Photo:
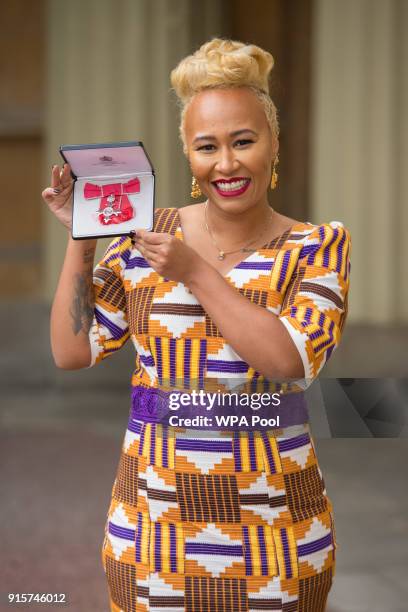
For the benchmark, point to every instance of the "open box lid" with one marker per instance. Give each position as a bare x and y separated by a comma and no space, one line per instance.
107,159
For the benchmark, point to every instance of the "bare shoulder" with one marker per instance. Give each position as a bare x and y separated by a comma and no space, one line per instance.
284,223
189,212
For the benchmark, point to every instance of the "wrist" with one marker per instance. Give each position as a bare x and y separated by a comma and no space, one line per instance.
82,245
198,271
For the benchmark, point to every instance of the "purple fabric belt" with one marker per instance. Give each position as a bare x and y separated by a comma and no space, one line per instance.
218,411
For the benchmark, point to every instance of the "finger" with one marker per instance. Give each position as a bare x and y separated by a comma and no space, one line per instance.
55,199
148,254
49,194
134,232
150,249
151,253
152,237
57,191
65,175
55,176
150,260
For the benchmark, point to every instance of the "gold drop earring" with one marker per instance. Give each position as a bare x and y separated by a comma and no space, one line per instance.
274,179
195,188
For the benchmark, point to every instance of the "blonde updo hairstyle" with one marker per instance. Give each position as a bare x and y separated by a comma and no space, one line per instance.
222,63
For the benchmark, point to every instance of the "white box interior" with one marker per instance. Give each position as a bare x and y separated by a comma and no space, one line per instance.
85,221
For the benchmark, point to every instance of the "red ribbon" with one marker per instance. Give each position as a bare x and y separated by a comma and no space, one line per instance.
114,206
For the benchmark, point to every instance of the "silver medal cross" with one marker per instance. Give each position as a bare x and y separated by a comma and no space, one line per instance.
108,211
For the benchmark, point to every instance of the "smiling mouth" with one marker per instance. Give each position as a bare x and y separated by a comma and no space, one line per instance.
232,186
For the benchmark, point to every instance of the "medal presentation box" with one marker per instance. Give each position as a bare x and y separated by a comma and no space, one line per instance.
114,186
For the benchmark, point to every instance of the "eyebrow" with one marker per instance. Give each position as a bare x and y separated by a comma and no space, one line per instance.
236,133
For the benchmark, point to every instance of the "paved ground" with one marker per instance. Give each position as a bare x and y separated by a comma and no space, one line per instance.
59,453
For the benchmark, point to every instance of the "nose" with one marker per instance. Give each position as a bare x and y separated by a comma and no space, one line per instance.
227,162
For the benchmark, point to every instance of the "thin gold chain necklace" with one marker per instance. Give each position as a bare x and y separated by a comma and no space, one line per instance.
244,249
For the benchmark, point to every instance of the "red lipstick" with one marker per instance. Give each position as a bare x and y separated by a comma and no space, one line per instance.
230,188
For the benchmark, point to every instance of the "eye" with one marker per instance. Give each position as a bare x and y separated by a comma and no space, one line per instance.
207,147
243,142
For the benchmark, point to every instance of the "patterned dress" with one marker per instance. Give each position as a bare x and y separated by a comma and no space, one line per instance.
217,521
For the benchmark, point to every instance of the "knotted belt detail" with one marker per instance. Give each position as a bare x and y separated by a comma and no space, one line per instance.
152,405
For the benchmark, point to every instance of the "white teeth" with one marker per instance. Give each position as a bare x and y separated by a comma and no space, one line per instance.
231,186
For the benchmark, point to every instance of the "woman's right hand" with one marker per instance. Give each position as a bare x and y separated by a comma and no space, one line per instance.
59,195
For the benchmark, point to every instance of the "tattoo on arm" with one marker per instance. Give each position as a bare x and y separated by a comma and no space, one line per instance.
82,307
88,256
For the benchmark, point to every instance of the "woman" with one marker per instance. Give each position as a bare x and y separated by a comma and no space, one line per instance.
223,290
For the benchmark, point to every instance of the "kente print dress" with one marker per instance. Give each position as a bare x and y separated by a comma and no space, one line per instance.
219,521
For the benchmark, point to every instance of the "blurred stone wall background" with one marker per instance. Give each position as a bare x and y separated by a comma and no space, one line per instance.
98,70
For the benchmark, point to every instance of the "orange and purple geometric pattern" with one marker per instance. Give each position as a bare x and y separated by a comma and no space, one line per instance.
215,530
219,520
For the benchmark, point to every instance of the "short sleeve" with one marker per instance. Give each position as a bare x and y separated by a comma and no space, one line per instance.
315,305
110,329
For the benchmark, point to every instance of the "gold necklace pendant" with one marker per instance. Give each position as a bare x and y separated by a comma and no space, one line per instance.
221,255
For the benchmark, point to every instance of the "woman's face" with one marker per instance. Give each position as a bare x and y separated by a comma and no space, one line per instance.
230,147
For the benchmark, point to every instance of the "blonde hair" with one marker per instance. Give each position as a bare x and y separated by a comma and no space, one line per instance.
223,63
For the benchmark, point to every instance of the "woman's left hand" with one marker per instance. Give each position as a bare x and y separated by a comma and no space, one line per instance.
167,255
